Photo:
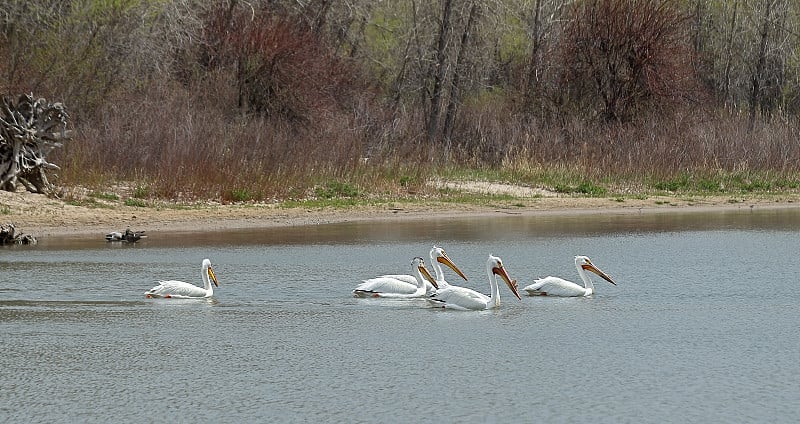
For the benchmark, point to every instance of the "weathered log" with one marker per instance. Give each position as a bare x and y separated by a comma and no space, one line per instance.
127,236
9,235
29,130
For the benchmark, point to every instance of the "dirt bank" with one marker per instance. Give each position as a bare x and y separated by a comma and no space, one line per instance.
43,216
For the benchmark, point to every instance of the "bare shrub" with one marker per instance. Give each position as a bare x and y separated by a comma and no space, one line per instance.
282,68
622,56
182,141
696,140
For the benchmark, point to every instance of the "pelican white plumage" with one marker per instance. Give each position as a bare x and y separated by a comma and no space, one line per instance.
180,289
555,286
455,297
395,288
438,256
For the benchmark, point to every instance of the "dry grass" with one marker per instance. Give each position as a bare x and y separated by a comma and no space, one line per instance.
189,149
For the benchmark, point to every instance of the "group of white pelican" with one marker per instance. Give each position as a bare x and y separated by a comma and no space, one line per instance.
441,294
421,284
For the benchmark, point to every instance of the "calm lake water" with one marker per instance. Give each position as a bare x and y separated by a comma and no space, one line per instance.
702,326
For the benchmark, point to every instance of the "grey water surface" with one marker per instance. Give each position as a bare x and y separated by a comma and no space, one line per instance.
703,325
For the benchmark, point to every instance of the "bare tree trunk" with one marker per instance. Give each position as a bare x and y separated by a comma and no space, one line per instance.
780,74
758,71
697,36
321,16
439,71
726,89
360,35
533,64
396,90
456,81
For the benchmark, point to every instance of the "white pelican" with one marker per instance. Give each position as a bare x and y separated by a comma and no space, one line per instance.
180,289
395,288
438,256
554,286
455,297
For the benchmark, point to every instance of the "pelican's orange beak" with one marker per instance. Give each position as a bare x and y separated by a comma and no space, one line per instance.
427,275
596,270
213,276
444,259
512,284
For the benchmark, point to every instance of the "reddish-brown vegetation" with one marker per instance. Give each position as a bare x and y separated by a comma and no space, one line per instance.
627,55
266,99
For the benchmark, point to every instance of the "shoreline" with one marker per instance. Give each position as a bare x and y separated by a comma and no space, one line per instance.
41,216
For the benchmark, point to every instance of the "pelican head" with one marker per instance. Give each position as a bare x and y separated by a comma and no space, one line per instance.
210,271
419,264
582,262
442,258
496,267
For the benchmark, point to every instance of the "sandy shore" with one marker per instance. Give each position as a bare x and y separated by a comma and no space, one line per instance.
42,216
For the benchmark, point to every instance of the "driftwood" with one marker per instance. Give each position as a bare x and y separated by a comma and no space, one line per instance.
29,130
128,236
9,235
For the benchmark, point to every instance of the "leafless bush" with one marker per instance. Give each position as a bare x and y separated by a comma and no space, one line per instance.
282,68
658,145
183,141
623,55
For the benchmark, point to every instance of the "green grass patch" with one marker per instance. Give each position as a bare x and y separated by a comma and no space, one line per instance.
104,196
139,203
718,182
240,195
335,203
141,192
785,184
586,188
407,180
681,182
710,185
335,189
